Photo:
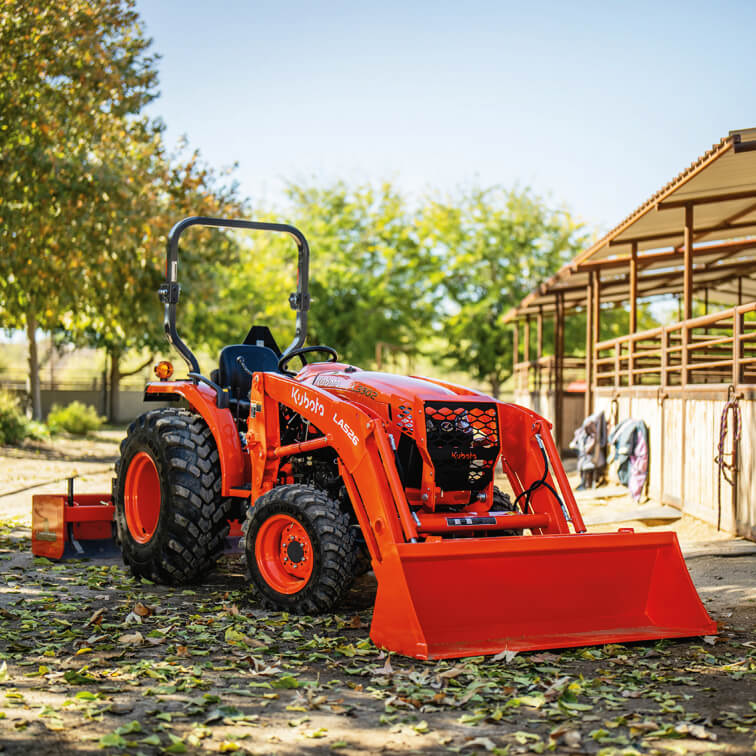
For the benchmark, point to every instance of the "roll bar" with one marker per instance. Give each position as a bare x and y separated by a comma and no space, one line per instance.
169,291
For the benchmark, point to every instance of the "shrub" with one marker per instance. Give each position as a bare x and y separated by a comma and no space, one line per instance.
76,418
14,425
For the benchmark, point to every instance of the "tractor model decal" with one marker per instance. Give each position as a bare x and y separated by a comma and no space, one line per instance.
350,434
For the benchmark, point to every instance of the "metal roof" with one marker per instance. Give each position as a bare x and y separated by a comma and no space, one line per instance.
721,187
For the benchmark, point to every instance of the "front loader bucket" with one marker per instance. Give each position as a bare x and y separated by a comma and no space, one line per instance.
465,597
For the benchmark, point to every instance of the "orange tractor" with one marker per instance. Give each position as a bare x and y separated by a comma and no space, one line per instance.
333,468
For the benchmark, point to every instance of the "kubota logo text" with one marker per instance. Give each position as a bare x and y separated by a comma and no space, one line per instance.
312,404
462,455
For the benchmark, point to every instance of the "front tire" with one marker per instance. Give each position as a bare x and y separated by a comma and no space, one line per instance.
171,520
300,550
502,502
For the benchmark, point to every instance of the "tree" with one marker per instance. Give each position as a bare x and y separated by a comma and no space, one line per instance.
372,280
123,313
73,77
495,245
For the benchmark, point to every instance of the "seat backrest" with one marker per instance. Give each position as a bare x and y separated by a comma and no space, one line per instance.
257,359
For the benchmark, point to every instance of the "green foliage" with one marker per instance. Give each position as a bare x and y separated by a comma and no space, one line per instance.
75,418
493,246
87,191
371,279
72,76
14,425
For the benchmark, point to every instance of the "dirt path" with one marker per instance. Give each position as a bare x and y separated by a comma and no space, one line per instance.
43,467
94,661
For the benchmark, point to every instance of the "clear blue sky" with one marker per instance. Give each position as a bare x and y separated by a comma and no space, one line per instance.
596,104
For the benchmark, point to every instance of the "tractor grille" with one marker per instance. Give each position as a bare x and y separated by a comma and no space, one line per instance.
404,419
463,443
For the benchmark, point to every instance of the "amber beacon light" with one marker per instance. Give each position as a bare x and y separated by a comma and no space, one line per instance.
164,370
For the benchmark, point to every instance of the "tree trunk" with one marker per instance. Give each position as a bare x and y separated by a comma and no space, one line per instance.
495,386
115,381
34,388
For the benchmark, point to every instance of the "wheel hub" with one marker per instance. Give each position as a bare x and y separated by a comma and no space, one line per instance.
284,555
295,552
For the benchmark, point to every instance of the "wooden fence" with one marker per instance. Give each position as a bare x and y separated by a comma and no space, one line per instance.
717,349
541,374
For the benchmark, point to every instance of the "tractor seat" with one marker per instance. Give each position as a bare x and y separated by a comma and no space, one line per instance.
232,376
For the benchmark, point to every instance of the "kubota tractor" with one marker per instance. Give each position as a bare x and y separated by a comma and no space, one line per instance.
333,468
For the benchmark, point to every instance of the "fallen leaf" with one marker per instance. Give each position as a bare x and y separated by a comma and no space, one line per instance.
555,690
129,728
697,731
505,656
112,740
321,732
387,669
544,657
96,618
486,743
449,674
131,639
142,609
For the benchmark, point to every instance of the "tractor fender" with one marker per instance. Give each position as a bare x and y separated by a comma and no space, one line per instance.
202,400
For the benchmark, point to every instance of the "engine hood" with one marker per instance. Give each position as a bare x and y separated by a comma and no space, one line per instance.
387,388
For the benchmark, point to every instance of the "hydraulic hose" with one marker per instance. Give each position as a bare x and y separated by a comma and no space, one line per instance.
536,484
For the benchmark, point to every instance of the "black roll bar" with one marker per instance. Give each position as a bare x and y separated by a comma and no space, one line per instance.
169,291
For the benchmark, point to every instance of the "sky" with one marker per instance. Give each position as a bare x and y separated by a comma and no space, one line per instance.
594,105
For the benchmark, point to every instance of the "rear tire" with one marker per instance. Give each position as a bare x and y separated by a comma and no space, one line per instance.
300,550
171,520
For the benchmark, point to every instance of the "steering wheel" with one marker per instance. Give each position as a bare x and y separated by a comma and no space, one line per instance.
286,358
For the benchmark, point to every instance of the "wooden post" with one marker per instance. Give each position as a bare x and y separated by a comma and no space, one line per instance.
539,348
662,413
664,358
633,313
596,274
588,404
634,287
737,352
526,357
688,261
559,370
740,291
516,353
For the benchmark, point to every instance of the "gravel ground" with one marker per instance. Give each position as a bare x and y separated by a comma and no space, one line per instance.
94,661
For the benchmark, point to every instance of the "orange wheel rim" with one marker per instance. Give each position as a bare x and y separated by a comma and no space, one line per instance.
283,552
142,497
